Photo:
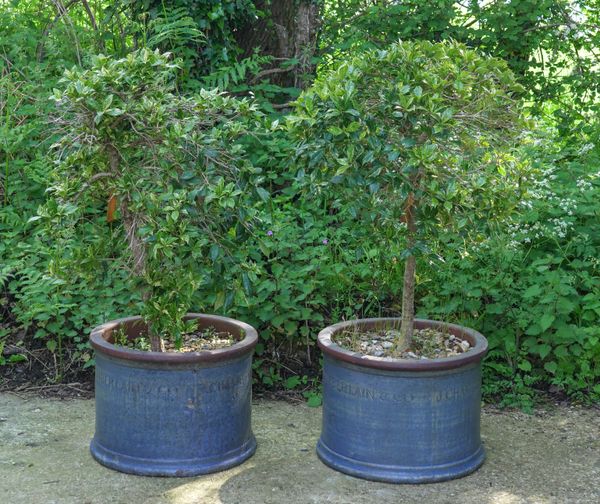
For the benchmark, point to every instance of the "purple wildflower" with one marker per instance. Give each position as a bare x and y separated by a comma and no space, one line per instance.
325,241
269,233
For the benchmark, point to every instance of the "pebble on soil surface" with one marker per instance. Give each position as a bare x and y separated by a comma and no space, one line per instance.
195,341
426,344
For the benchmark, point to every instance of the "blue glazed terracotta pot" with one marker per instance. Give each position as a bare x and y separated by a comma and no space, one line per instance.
173,414
400,420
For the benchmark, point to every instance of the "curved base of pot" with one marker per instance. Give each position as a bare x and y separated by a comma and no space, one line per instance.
170,413
399,474
172,467
401,420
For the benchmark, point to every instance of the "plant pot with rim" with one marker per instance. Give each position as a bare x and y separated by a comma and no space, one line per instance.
171,413
175,175
401,420
422,137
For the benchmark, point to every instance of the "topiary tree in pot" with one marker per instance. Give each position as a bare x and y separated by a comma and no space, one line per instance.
424,130
173,171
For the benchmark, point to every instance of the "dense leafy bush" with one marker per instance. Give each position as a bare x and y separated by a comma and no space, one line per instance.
533,294
173,167
532,287
425,131
26,80
309,269
550,44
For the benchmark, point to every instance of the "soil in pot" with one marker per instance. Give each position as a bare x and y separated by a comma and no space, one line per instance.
401,420
426,344
173,413
198,340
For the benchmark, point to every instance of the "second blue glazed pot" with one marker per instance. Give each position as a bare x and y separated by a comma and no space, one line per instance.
400,420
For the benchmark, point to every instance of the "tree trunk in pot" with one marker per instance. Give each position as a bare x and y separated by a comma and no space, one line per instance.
408,289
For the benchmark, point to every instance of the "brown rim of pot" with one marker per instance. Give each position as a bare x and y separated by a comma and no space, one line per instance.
474,354
134,326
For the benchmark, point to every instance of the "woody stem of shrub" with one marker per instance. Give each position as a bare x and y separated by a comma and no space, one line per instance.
137,247
408,291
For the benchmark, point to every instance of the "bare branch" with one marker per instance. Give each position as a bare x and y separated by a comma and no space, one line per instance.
270,71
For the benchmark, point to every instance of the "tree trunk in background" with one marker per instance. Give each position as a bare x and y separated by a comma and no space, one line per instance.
287,31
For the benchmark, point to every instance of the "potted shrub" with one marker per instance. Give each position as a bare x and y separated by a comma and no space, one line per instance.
425,131
172,172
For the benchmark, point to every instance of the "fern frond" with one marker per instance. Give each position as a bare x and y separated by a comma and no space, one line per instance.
236,73
175,27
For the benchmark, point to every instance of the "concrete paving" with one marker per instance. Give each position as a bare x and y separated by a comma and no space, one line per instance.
549,457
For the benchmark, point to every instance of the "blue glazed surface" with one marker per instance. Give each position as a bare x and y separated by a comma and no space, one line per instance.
401,426
172,420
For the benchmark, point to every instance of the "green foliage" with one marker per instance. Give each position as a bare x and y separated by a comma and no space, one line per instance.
204,35
174,165
425,128
174,30
532,285
301,269
217,20
247,77
60,309
49,312
551,45
358,25
419,118
171,27
536,300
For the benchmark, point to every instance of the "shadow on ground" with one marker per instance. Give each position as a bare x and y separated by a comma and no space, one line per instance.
550,457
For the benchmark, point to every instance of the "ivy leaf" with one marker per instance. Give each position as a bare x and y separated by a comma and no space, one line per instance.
292,382
544,350
219,300
215,250
564,306
246,283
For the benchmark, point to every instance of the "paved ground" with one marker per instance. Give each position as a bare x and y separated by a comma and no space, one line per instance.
550,457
